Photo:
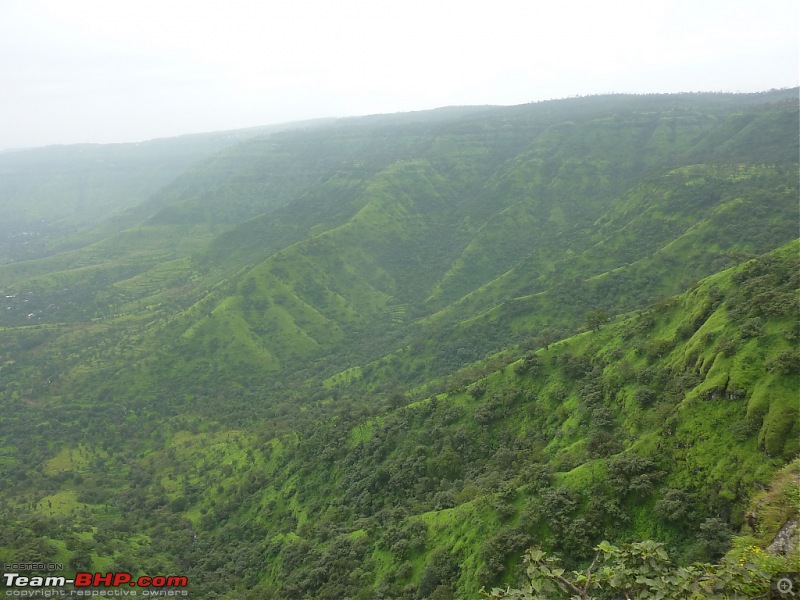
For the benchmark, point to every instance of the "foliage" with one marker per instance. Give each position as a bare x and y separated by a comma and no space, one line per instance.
597,318
636,570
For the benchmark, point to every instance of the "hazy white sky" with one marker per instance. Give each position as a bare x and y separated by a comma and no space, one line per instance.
127,70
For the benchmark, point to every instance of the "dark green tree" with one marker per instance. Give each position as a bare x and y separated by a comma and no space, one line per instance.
595,319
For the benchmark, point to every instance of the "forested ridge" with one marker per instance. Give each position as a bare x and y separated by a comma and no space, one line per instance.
382,357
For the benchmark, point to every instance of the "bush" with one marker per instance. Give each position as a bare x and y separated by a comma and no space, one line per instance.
632,474
644,396
674,506
786,363
636,570
440,574
752,328
727,346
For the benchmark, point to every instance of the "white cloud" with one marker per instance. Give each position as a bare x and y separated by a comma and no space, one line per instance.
104,70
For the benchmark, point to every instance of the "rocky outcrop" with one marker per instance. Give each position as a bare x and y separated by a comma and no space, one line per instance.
785,542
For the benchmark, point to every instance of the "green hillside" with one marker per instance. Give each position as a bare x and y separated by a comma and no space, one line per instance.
381,357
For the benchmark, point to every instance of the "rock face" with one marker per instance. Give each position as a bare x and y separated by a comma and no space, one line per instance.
786,540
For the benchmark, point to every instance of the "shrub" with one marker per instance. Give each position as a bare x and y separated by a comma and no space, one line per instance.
636,570
752,328
786,363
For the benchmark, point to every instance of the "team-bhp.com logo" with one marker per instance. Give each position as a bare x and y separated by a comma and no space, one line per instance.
96,580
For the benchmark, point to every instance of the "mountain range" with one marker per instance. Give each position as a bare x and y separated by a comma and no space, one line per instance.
379,357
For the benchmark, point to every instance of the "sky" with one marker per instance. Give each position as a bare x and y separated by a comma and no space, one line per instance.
107,71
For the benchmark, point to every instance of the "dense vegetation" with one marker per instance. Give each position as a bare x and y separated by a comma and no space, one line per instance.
381,357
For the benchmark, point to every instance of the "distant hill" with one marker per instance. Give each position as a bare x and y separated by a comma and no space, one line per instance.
49,195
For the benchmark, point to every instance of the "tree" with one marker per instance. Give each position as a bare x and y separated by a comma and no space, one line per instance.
596,319
547,337
530,364
439,575
80,561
